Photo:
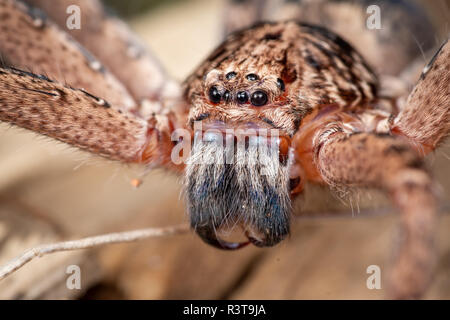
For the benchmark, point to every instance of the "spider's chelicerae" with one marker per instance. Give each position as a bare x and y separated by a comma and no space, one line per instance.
274,106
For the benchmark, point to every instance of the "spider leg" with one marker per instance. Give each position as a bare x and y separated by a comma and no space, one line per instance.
425,118
103,34
388,163
81,119
30,41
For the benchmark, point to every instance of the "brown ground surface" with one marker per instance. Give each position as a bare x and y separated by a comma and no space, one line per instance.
49,192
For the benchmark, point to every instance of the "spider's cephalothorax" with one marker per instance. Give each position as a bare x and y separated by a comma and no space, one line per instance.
267,77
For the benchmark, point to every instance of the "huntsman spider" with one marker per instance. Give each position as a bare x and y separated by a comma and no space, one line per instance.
276,105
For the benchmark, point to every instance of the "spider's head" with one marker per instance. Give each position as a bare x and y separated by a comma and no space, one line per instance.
238,171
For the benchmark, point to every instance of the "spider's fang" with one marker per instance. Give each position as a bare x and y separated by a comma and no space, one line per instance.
210,237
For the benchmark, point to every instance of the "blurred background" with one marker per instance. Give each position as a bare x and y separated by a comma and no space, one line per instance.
50,192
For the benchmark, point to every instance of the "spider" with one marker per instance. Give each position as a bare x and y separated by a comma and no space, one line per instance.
289,102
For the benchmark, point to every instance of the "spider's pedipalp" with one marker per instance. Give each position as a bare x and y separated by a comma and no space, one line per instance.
425,118
389,163
46,49
138,70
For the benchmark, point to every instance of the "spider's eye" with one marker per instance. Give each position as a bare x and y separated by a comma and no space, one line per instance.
259,98
280,84
252,77
214,95
242,97
227,96
230,75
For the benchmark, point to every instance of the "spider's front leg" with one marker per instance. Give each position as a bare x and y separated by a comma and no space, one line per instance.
83,120
425,119
36,41
394,163
382,161
32,41
138,70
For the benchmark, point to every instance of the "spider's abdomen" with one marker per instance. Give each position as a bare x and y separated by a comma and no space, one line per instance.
292,67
